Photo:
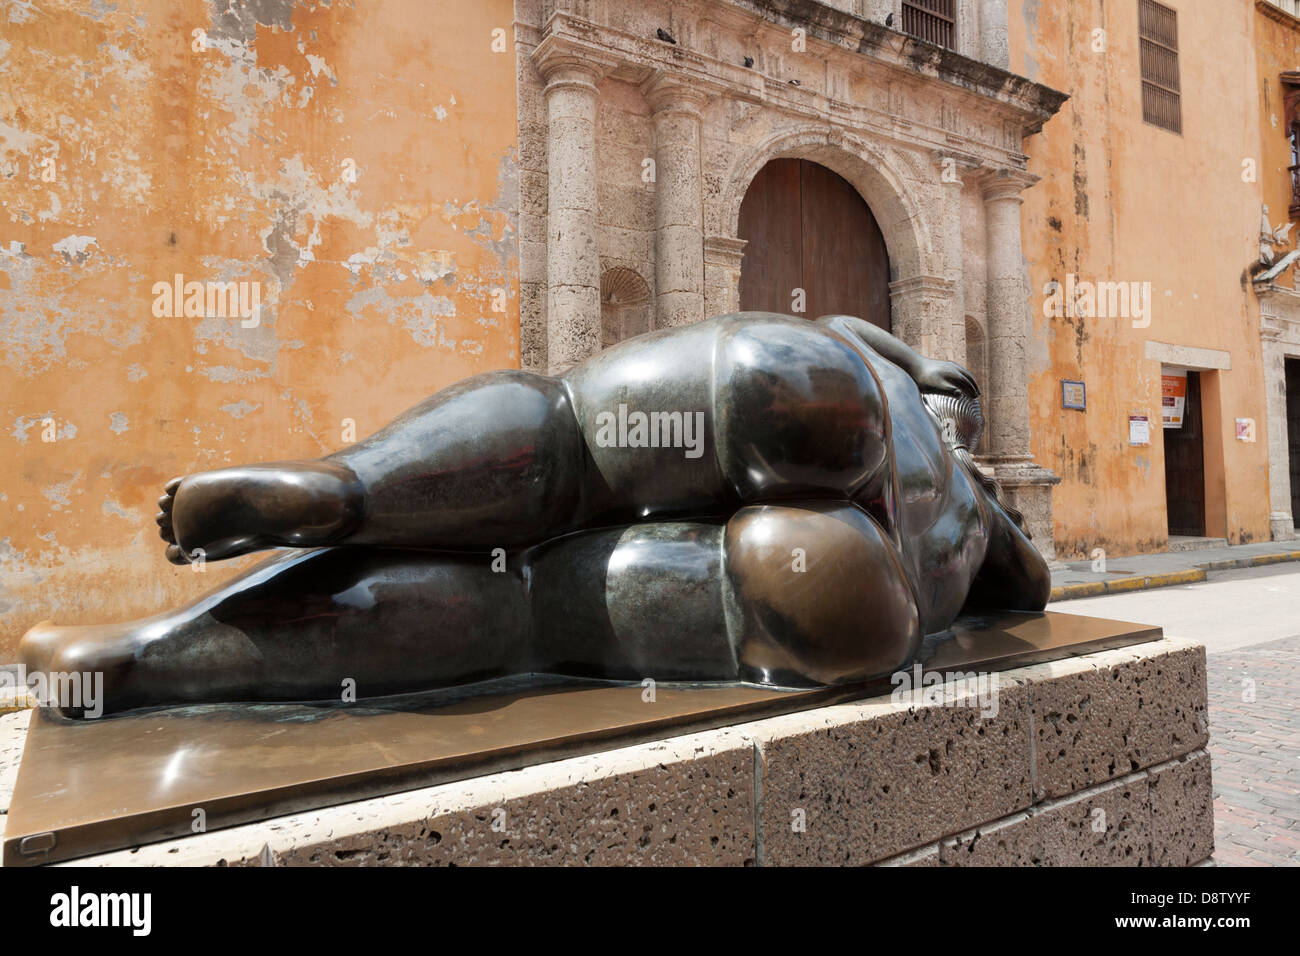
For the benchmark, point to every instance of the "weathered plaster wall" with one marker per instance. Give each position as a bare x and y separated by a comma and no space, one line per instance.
1122,200
232,162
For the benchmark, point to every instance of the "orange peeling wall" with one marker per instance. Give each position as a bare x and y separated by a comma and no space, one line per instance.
1121,200
355,160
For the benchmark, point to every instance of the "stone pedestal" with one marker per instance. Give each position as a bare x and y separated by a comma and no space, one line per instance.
1095,760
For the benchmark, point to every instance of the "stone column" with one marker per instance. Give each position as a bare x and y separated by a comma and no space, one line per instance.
572,257
722,259
1006,399
1007,405
679,222
995,45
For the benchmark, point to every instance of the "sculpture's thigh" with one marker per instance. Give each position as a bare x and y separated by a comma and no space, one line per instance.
308,625
821,595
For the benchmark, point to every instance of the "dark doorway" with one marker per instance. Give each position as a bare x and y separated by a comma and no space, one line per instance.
1293,431
1185,467
809,229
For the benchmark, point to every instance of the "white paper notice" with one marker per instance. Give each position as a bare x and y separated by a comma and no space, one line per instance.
1139,430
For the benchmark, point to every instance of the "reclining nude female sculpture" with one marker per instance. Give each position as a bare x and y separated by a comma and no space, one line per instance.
753,498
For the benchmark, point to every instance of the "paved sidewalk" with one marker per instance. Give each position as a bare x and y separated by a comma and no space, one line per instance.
1255,752
1141,571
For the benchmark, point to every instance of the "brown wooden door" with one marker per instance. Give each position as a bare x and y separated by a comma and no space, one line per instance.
1293,431
807,228
1185,467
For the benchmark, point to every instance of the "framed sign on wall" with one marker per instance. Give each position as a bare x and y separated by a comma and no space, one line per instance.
1073,395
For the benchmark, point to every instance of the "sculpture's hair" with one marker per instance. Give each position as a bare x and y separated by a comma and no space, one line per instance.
961,422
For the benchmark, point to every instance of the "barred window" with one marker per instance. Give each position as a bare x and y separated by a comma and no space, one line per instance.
933,20
1158,36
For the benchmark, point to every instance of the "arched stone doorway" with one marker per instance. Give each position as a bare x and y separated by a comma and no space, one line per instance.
811,240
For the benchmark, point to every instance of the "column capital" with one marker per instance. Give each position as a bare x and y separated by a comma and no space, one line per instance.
668,93
1005,183
967,168
565,63
923,285
724,251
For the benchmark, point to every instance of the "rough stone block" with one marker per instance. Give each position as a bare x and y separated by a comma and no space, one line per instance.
1103,716
869,781
1109,825
1182,811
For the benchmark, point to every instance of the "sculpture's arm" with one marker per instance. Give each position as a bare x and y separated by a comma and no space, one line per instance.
932,375
1014,575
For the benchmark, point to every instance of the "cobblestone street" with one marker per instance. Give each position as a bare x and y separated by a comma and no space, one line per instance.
1255,749
1247,620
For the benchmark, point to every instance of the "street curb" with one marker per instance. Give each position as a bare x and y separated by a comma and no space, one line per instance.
1145,582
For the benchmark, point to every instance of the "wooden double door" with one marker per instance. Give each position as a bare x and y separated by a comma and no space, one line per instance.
808,229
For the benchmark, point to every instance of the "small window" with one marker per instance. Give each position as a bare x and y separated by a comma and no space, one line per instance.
932,20
1161,95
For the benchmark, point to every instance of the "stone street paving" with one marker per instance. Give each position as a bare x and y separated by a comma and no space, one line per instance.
1255,748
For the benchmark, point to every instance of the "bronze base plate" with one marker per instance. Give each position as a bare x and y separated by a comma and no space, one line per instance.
88,786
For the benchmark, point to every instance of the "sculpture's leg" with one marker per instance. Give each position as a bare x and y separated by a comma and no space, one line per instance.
308,625
492,462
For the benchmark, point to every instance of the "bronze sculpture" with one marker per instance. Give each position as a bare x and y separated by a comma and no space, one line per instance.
751,498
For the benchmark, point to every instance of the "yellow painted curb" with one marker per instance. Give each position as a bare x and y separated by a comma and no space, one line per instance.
1142,582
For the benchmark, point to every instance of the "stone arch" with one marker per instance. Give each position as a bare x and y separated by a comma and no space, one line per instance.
625,306
878,176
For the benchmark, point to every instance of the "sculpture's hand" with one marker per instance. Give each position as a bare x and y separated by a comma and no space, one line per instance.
948,378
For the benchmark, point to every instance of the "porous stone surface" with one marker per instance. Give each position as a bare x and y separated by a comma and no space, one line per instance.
1103,716
858,783
1182,811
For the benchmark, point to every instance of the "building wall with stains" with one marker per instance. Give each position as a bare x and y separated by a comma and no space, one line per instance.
1125,201
349,168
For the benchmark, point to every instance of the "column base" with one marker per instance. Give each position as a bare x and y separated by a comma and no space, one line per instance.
1027,485
1281,526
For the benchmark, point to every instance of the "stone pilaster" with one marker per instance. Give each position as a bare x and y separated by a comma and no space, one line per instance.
679,223
1275,303
953,172
921,312
722,258
572,255
1006,403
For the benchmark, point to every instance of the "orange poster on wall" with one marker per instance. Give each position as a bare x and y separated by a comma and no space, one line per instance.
1173,399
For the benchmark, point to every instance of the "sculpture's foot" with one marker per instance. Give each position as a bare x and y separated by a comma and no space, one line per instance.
84,670
220,514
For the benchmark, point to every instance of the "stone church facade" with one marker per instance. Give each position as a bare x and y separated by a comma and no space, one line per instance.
642,127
